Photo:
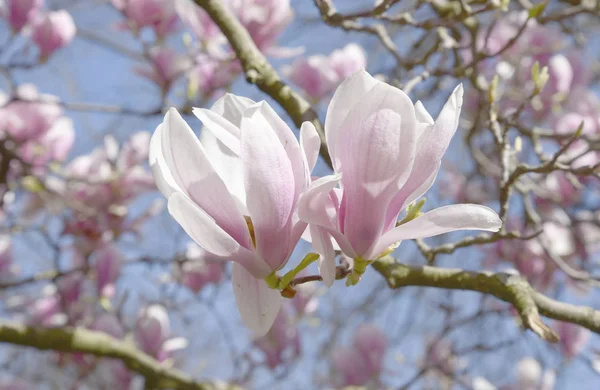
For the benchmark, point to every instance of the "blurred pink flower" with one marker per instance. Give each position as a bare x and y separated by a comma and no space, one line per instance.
281,344
107,264
159,15
52,31
200,269
265,20
18,13
211,74
319,75
167,65
357,365
314,75
37,127
347,61
573,338
109,324
153,333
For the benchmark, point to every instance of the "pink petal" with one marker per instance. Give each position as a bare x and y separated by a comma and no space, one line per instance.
442,220
375,153
203,229
196,176
270,186
432,145
322,243
225,131
309,146
257,303
350,92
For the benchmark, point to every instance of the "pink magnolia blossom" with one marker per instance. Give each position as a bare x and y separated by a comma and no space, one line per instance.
201,24
319,75
357,365
314,75
37,127
8,383
211,74
105,182
153,333
573,338
53,31
18,13
235,192
265,20
167,65
107,264
159,15
347,61
201,269
386,153
281,344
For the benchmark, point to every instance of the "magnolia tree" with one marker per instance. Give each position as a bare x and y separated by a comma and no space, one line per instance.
255,194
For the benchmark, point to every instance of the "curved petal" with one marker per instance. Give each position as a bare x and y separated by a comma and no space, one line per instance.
232,107
206,233
257,303
225,131
228,166
432,145
422,114
322,245
346,96
270,187
162,175
442,220
309,146
375,152
196,176
315,205
306,236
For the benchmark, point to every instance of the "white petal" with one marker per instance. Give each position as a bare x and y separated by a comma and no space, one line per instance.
442,220
206,233
225,131
422,114
162,175
322,244
315,202
175,344
196,176
232,107
350,92
257,303
309,145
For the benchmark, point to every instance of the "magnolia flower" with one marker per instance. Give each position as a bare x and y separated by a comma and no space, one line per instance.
158,14
573,338
167,66
200,269
357,365
265,20
386,153
37,126
314,75
281,344
107,263
347,61
319,75
235,192
153,333
20,12
52,31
